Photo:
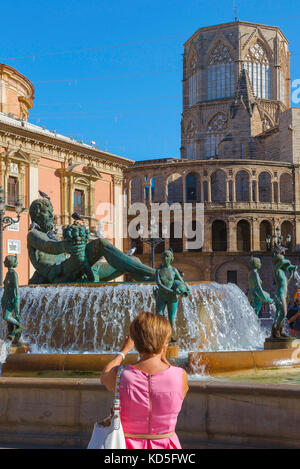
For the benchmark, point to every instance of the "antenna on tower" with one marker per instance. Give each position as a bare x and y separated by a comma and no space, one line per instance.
235,10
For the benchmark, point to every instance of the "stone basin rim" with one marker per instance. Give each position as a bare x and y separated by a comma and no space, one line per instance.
104,284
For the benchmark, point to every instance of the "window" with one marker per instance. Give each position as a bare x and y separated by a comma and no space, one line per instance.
194,78
79,202
12,190
220,73
191,146
232,276
215,133
257,65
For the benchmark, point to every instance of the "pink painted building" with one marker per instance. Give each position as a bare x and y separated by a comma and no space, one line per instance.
77,177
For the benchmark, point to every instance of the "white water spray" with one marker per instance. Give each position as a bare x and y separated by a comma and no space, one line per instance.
79,319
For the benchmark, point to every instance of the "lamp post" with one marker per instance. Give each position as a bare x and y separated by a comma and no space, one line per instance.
153,240
6,221
277,239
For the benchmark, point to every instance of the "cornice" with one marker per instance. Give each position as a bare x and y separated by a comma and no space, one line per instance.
64,145
103,162
213,162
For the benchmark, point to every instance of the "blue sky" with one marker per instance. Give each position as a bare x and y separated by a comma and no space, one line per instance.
110,70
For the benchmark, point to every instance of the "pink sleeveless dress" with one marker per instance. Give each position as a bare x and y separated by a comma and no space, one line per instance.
150,405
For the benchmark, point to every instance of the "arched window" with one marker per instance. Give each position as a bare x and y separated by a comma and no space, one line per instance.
219,236
192,227
190,140
286,189
264,187
174,188
265,230
158,188
220,73
215,133
242,186
176,241
136,190
193,80
218,186
258,67
287,229
192,188
243,236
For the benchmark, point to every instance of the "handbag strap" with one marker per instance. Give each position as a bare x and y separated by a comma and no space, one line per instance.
116,401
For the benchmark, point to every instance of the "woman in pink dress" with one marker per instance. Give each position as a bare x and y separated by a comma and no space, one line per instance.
151,390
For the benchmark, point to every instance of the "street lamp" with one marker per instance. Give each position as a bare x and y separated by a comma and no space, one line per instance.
153,240
6,221
277,239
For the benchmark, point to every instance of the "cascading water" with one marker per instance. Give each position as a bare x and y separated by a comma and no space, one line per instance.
297,279
4,344
78,319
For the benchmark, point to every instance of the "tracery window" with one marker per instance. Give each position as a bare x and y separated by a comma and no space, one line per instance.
190,136
258,67
194,85
215,133
220,76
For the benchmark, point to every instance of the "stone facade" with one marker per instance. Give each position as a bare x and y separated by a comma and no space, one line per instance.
239,152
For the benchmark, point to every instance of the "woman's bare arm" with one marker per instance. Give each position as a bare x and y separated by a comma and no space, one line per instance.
185,385
109,373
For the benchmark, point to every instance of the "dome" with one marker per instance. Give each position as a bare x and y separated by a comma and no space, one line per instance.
16,93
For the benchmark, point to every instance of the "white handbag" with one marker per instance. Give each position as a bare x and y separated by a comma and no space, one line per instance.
109,433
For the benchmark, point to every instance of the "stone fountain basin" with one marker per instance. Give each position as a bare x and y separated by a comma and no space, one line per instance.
203,363
222,363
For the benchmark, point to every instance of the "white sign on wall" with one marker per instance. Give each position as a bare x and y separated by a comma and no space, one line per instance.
13,246
14,227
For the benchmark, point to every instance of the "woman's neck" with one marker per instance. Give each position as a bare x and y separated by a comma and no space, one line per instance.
144,357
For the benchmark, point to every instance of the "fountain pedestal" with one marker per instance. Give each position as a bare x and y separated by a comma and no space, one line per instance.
273,344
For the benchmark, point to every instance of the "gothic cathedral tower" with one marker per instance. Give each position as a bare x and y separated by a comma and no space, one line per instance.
236,82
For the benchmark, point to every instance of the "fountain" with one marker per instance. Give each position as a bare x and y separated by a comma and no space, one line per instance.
72,323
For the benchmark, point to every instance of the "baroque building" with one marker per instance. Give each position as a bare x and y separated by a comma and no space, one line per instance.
78,177
240,153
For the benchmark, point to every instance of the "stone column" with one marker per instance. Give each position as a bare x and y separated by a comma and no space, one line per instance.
227,189
233,190
33,191
250,190
297,234
231,235
129,193
208,190
296,190
255,234
207,241
184,188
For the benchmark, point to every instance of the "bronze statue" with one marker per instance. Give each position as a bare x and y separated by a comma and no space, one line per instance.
170,285
49,256
80,235
256,295
10,301
280,267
